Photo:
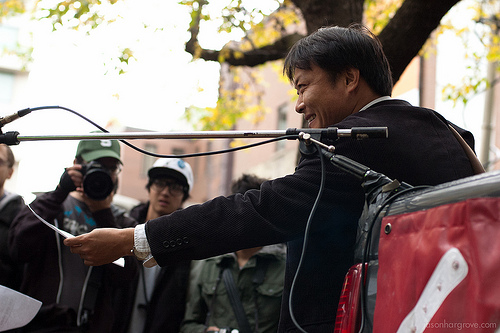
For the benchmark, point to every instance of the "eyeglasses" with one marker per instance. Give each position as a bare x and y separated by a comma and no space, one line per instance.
115,169
174,188
112,168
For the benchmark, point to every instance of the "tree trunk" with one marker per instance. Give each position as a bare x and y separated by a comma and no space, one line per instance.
320,13
409,29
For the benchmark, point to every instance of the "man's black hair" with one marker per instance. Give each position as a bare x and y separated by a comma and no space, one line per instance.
246,182
335,49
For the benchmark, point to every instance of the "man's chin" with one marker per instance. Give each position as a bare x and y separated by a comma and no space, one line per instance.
165,211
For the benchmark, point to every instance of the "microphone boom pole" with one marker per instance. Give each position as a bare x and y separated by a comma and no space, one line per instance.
158,135
13,138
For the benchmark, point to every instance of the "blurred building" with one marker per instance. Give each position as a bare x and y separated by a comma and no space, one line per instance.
214,173
209,171
13,77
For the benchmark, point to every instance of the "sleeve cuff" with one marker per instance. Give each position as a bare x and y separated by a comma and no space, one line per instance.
141,246
140,241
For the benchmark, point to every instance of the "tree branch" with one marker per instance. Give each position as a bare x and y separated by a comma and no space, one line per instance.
234,57
408,30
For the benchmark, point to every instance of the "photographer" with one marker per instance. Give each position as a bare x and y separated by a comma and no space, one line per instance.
75,298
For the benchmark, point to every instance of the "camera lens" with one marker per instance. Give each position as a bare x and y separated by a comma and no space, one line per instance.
97,184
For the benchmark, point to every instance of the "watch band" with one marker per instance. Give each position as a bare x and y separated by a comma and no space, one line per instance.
139,255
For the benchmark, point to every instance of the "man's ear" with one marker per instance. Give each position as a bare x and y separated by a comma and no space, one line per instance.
352,78
9,174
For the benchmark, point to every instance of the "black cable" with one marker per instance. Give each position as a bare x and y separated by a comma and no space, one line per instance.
311,214
229,150
306,237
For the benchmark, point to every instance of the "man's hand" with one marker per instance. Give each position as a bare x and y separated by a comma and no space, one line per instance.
102,245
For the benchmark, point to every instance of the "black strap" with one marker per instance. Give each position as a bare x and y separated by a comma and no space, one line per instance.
92,289
234,298
234,295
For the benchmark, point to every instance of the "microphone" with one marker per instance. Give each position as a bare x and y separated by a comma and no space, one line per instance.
334,132
12,117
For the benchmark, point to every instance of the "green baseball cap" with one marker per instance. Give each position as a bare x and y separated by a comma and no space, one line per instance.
91,150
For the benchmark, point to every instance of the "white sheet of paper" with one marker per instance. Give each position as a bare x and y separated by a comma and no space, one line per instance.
120,261
16,309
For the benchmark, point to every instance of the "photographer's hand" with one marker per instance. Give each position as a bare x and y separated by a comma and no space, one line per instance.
71,179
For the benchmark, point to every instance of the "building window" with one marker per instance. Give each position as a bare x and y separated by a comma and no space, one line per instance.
282,124
148,161
178,151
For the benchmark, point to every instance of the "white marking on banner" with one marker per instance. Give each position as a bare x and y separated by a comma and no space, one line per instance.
449,272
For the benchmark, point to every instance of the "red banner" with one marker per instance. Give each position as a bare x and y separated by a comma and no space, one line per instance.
439,269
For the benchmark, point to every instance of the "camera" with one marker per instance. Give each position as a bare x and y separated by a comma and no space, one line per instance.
97,181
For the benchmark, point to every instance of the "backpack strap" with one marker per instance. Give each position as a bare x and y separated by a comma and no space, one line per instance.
90,296
474,161
234,298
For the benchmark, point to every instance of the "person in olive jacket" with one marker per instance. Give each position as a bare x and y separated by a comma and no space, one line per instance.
258,275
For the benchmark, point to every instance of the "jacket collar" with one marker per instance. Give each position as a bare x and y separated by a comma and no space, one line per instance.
375,101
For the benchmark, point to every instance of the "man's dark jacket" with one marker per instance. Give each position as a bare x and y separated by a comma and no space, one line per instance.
420,150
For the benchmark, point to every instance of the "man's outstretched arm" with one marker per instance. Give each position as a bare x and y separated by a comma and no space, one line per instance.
102,245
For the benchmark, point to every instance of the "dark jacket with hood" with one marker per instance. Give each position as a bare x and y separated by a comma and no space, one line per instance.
58,278
10,271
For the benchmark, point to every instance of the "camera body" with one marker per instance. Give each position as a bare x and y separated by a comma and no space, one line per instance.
97,182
